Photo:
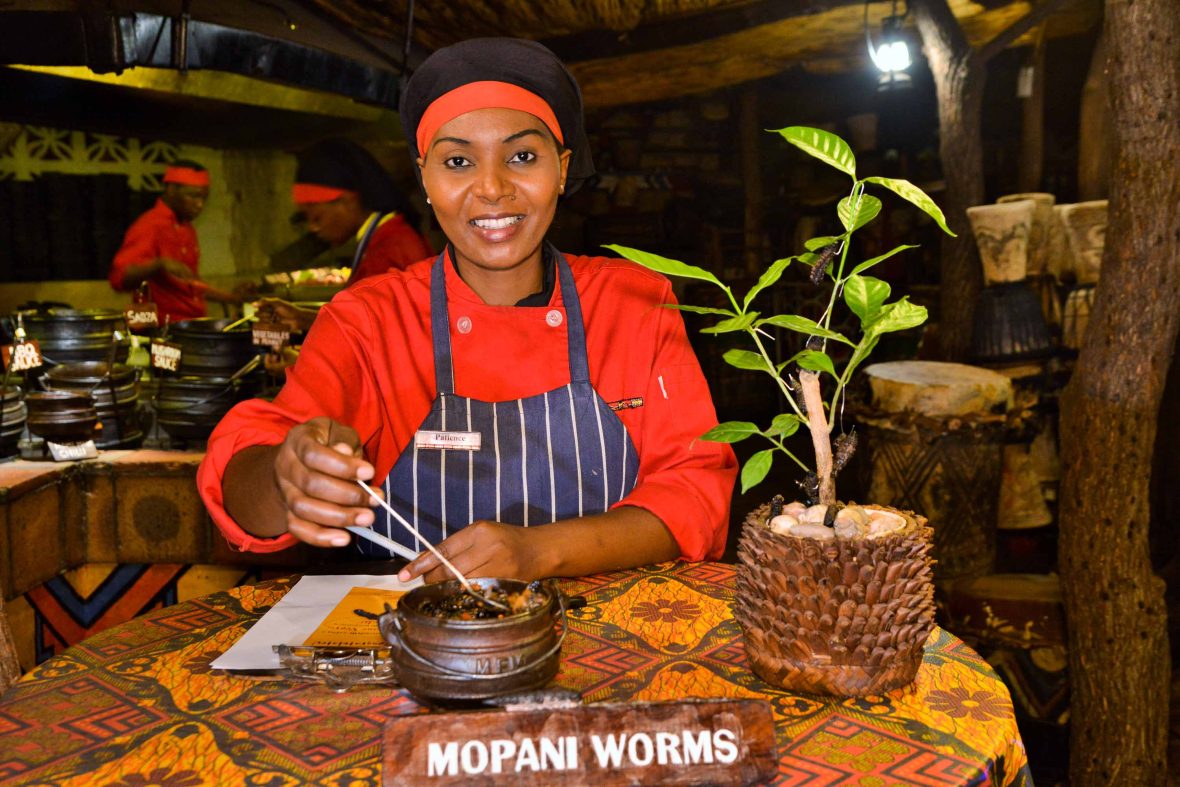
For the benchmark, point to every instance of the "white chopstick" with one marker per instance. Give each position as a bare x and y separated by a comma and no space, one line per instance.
382,541
458,575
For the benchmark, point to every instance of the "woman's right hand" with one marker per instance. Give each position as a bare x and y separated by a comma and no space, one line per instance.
315,470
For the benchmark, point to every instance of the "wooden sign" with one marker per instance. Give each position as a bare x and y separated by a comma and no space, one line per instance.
271,334
22,356
705,742
141,316
166,356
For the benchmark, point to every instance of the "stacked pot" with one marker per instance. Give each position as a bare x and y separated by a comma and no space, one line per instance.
62,416
115,393
210,380
13,415
74,335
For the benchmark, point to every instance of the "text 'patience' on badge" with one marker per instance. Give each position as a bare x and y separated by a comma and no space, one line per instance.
459,441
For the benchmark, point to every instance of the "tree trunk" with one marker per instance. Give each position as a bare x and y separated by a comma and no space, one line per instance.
1119,663
959,81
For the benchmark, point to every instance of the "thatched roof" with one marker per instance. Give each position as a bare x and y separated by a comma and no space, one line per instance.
627,51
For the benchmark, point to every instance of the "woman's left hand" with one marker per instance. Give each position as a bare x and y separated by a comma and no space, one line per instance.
482,549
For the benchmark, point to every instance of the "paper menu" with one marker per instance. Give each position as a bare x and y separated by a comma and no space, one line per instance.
343,628
297,616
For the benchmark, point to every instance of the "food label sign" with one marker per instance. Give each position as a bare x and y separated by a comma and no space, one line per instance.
271,334
141,316
22,356
708,742
166,356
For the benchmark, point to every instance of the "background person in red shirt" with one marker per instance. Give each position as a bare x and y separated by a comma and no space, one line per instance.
161,248
344,194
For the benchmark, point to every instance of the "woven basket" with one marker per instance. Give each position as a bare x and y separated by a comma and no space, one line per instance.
845,617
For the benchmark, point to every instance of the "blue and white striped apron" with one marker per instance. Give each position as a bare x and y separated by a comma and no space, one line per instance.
556,455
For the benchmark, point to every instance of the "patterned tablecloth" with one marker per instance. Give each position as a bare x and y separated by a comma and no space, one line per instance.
138,705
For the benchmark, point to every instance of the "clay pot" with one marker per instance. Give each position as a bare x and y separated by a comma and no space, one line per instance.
443,660
1042,221
1085,232
1002,233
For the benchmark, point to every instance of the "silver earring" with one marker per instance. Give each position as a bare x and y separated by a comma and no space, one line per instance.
561,189
428,200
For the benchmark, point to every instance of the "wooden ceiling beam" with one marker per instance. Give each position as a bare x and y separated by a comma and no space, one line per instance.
685,30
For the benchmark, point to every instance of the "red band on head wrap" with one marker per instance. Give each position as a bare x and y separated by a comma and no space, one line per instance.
186,176
306,193
482,95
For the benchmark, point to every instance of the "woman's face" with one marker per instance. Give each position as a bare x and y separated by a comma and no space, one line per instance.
493,177
337,221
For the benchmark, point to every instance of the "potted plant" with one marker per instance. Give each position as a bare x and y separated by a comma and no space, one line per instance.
831,598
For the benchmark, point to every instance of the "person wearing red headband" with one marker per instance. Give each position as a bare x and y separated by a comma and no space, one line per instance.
532,412
344,194
161,248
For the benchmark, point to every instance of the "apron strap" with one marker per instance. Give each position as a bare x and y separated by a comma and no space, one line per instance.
363,244
440,324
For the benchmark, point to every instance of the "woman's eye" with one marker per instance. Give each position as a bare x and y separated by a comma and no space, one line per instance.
455,162
523,157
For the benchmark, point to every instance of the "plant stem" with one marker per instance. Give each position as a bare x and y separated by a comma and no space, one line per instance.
820,435
778,378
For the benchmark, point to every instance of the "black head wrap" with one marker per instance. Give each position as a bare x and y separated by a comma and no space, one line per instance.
516,61
343,164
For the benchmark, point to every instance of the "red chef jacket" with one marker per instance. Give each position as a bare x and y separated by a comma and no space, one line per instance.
393,245
158,233
367,362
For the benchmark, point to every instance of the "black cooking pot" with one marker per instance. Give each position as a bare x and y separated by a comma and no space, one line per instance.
61,416
72,335
208,351
189,407
446,660
115,394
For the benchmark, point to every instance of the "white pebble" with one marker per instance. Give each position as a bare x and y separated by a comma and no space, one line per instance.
882,522
814,515
783,523
818,532
795,509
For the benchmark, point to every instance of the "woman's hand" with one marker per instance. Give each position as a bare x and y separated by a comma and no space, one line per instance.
315,471
483,549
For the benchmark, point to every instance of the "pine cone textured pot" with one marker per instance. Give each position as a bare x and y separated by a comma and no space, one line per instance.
841,617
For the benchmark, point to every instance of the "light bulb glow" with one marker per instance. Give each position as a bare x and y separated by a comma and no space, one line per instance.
893,56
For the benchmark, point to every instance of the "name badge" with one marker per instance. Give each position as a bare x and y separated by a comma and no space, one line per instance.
459,441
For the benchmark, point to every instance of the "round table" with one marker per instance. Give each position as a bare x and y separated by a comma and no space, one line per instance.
137,704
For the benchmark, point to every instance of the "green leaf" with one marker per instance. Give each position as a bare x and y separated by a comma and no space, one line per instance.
864,266
700,309
738,323
756,468
664,265
744,359
731,432
768,278
856,214
816,361
784,425
897,316
823,145
815,244
865,296
911,193
793,322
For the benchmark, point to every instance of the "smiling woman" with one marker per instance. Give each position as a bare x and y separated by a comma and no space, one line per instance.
498,387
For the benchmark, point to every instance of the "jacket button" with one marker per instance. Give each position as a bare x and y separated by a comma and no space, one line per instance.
463,324
554,318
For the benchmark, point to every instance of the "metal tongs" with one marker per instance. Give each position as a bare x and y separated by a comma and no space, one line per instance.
468,588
